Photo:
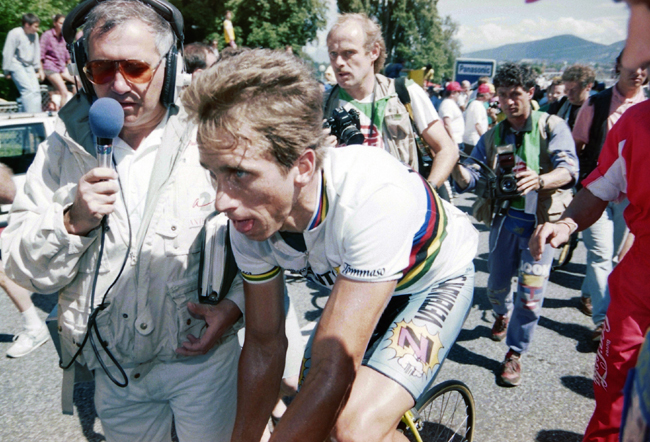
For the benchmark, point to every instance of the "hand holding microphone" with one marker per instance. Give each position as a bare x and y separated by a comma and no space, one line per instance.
97,189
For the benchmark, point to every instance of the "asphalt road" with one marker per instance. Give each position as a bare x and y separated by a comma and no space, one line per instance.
553,403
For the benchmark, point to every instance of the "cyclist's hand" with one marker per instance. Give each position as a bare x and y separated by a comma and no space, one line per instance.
218,318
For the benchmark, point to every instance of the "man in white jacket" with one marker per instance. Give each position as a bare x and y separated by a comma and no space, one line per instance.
133,280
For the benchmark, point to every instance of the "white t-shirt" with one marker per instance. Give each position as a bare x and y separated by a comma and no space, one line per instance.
449,109
376,220
423,112
474,114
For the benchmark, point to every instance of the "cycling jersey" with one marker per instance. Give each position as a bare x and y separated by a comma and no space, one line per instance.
369,228
377,220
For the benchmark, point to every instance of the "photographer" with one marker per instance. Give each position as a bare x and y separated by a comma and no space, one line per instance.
357,54
535,162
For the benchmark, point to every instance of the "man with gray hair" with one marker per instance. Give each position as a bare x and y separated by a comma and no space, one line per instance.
357,54
121,244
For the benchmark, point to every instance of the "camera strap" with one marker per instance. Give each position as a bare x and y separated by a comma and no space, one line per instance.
373,110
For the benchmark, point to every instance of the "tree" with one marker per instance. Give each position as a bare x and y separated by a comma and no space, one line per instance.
412,30
277,23
264,23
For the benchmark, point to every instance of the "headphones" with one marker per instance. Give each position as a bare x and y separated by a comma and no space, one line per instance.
77,17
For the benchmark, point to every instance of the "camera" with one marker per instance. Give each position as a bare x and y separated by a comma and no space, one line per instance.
503,184
345,126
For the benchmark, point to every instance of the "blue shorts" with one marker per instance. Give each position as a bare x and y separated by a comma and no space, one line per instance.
415,333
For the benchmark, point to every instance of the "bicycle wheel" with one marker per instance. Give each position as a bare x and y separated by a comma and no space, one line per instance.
445,413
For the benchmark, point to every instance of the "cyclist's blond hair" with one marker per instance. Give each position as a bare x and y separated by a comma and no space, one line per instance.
372,33
271,93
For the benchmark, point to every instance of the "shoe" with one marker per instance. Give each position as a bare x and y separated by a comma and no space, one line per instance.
597,333
585,305
510,375
499,328
26,342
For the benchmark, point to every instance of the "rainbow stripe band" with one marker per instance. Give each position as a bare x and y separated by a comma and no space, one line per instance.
426,242
263,277
323,206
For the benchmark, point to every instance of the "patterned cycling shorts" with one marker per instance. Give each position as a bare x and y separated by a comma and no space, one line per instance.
415,333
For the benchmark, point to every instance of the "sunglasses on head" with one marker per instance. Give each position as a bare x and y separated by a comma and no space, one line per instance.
133,71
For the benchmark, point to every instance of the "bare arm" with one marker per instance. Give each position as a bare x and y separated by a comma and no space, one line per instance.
345,328
7,186
528,180
262,359
584,210
444,152
447,122
460,174
479,129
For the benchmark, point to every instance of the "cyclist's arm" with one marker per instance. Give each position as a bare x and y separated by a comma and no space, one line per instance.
432,129
262,359
344,330
445,152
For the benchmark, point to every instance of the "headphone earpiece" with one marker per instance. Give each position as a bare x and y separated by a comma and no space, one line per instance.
168,92
79,58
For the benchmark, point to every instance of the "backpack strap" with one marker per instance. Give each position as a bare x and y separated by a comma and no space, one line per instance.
405,98
331,101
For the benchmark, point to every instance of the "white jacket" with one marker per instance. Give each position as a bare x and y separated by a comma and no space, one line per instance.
147,318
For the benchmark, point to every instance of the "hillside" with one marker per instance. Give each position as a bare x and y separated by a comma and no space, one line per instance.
562,48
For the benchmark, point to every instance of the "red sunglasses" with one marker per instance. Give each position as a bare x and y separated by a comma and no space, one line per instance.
134,71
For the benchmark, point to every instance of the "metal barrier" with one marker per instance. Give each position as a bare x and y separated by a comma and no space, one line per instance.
8,106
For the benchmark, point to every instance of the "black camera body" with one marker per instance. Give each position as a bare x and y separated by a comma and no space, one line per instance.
345,126
503,184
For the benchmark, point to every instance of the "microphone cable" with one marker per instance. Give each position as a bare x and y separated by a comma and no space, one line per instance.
92,320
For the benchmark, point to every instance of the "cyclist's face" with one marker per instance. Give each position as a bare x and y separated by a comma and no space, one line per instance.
255,192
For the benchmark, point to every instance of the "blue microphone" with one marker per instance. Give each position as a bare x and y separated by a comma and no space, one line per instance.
106,118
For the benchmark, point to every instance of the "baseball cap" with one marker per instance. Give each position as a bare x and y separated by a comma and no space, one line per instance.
454,86
484,89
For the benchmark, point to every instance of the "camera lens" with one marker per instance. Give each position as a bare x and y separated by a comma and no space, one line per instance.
508,184
351,135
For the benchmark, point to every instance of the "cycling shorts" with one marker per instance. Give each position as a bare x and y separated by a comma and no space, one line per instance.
415,333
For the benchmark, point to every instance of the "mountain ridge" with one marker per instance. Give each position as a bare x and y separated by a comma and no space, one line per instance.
561,48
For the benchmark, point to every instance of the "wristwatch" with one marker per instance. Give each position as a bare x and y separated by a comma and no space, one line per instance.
541,182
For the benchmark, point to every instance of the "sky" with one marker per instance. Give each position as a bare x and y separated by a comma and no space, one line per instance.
485,24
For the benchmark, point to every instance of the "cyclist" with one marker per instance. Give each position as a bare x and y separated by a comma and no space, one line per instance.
397,259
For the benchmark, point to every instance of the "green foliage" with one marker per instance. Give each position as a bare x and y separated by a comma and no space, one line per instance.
277,23
413,30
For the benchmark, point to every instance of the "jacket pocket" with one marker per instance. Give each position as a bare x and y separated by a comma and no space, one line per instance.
181,292
178,237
